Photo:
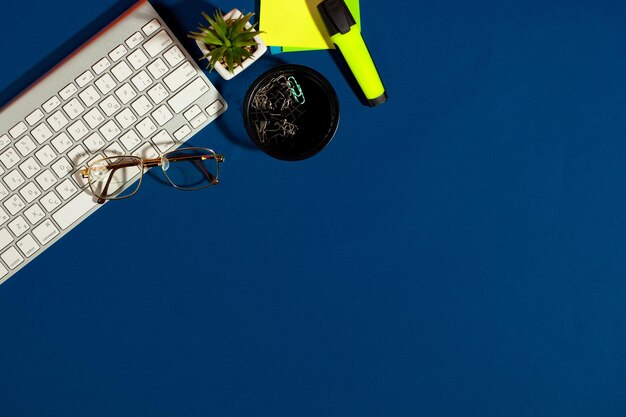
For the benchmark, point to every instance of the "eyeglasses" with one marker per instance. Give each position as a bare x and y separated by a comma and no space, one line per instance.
187,169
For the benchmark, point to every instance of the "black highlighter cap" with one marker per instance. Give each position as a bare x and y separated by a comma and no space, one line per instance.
336,16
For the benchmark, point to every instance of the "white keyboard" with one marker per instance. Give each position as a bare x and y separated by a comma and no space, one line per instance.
132,89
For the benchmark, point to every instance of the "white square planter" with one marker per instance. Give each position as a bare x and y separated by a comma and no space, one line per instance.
221,69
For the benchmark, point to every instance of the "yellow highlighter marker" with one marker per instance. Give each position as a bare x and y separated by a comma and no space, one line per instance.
345,33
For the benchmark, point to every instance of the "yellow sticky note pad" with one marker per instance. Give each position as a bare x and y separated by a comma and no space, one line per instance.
297,23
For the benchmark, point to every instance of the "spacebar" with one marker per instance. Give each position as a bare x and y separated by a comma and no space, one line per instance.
75,209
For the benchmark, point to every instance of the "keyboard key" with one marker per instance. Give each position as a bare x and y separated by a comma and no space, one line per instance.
110,130
180,76
158,68
5,238
4,216
41,133
57,121
105,83
121,71
46,179
30,167
78,155
61,143
3,192
4,141
45,155
188,95
34,117
174,56
146,151
78,130
163,141
14,204
62,167
9,158
45,232
50,201
141,81
14,179
114,150
137,59
146,127
75,209
162,115
158,93
18,226
118,53
12,258
94,142
27,245
66,189
214,108
130,140
68,91
73,108
51,104
25,145
110,105
192,112
157,43
84,78
34,213
100,66
125,93
198,120
134,40
89,96
181,133
17,130
142,105
126,118
30,192
151,27
94,118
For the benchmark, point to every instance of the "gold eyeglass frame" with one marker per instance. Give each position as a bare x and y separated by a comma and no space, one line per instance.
152,162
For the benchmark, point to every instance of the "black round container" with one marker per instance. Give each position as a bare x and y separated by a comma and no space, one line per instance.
317,122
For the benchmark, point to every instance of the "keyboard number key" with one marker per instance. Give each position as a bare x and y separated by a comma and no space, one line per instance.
121,71
25,145
41,133
105,83
89,96
9,158
57,121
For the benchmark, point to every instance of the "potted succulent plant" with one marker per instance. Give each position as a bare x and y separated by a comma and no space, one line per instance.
230,43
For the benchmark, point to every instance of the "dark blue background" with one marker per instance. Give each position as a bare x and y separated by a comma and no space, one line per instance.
457,251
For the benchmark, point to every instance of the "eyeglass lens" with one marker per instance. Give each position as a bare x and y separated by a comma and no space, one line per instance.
112,178
190,169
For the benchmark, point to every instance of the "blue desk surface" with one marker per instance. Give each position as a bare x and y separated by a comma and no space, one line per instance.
457,251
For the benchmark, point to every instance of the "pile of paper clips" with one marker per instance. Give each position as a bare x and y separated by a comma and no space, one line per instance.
276,108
